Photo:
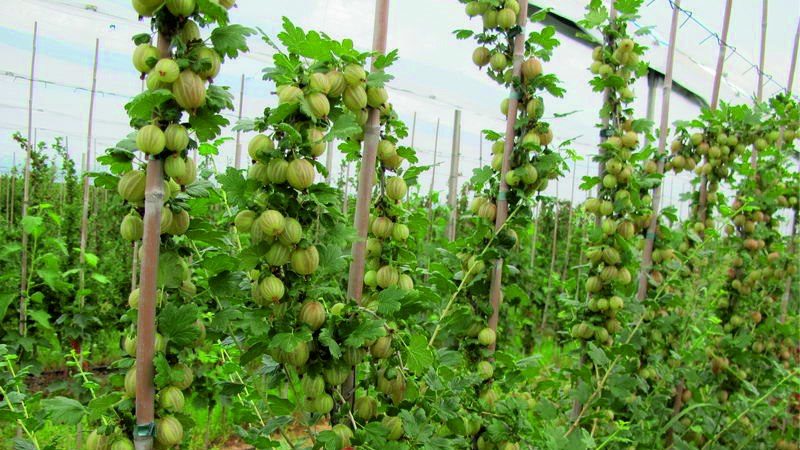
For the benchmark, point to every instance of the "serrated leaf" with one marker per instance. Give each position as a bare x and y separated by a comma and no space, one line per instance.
418,355
143,105
230,40
64,410
366,331
326,338
178,324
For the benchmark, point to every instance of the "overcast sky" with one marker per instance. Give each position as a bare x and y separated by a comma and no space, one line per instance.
433,77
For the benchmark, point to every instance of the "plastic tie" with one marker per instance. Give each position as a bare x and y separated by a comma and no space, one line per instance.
146,430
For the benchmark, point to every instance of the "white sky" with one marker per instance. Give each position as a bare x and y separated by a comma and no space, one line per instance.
434,76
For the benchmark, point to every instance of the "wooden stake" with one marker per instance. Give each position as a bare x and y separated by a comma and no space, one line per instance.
480,150
702,207
553,252
647,255
329,164
89,159
433,167
452,195
134,264
238,161
763,53
26,185
496,288
13,198
723,47
366,174
413,129
346,200
787,291
569,222
146,322
793,64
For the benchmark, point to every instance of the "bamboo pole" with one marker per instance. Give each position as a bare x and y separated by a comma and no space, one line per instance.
452,195
366,174
329,164
238,162
496,288
647,255
702,209
146,326
89,159
26,185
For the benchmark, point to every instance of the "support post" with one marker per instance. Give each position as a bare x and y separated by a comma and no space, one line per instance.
496,287
647,255
787,290
569,221
413,129
329,163
146,321
366,174
26,185
238,161
702,207
89,159
452,195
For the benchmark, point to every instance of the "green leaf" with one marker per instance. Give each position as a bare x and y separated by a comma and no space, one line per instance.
207,124
388,300
42,318
378,79
178,324
418,356
287,342
143,105
326,339
6,299
344,126
142,38
230,40
598,355
64,410
33,225
100,406
384,61
463,34
213,10
168,276
366,331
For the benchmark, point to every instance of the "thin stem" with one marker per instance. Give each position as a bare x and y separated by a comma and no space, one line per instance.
463,283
